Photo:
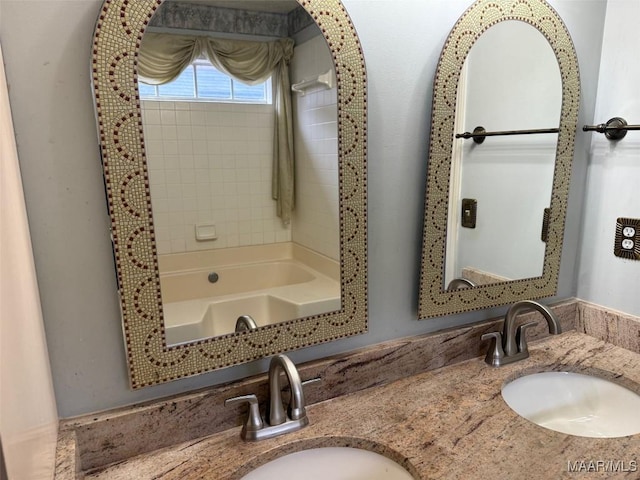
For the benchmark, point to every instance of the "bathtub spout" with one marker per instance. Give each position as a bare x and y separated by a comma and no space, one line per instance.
460,283
245,323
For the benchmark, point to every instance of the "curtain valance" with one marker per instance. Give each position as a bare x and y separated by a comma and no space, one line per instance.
162,57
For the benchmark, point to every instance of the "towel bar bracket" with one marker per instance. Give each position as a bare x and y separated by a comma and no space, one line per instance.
615,129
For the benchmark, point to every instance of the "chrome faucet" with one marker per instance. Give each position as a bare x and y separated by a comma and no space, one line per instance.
511,345
277,422
459,283
245,323
296,410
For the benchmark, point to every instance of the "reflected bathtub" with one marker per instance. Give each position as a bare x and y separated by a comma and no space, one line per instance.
270,292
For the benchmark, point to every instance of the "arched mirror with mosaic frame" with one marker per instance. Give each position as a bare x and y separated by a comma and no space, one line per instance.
434,299
118,34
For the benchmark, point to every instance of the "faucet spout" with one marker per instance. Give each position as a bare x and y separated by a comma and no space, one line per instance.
509,328
297,411
459,283
277,421
245,323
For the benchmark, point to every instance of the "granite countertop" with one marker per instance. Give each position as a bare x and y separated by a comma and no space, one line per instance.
449,423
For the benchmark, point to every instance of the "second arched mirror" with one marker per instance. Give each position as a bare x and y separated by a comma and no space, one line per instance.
504,118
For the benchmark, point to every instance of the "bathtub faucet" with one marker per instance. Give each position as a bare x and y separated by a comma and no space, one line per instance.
245,323
459,283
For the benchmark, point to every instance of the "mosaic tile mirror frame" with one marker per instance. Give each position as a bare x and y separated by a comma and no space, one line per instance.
483,14
117,39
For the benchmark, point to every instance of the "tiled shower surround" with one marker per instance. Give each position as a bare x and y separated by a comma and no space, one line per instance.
315,222
211,163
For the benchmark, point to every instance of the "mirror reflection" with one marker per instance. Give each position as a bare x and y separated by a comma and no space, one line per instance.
501,185
509,73
243,171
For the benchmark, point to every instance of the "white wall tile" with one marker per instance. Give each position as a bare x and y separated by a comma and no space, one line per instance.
167,114
315,220
211,162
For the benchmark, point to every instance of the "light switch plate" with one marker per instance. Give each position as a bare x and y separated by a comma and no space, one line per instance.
469,212
627,243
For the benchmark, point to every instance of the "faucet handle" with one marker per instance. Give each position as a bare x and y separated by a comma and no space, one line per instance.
311,380
304,383
495,354
521,338
254,420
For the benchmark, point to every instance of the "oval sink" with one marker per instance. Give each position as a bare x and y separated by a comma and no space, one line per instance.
335,463
576,404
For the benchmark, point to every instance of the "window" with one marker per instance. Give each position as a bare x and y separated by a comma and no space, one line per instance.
202,82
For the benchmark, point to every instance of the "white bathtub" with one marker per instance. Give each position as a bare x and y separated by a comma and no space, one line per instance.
233,279
270,291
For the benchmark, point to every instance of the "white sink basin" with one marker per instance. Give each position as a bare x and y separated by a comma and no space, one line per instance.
334,463
575,404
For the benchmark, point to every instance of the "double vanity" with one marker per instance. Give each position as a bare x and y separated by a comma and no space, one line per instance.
430,403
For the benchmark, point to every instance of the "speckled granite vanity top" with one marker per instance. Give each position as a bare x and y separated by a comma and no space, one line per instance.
447,423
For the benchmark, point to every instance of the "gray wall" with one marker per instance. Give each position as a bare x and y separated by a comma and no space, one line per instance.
47,51
614,169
